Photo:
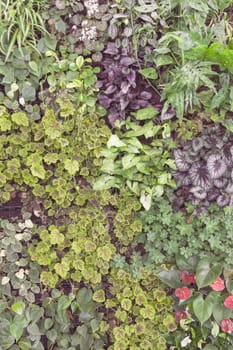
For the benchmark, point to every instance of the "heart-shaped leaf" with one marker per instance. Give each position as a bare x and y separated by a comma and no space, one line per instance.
203,308
206,273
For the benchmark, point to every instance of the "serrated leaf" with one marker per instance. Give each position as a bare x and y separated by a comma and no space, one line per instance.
72,166
20,119
38,170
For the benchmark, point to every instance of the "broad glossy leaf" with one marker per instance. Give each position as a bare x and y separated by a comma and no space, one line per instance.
203,308
220,311
171,278
207,272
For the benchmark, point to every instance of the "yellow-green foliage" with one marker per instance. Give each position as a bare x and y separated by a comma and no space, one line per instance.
141,312
82,250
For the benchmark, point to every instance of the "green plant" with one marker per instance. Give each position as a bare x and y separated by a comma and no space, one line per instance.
130,162
59,322
140,312
21,25
202,303
184,234
19,276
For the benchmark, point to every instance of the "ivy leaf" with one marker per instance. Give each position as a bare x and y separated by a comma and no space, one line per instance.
203,308
72,166
38,171
207,274
105,182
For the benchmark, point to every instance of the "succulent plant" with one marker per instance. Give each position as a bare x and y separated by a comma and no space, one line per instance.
204,166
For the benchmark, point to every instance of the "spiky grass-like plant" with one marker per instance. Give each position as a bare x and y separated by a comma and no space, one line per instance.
21,24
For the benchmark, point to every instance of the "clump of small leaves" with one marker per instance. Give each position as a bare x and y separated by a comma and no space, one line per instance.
119,84
20,276
184,234
141,312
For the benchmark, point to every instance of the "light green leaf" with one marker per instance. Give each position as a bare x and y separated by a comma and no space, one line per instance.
38,170
146,200
146,113
79,61
72,166
18,307
108,166
105,182
20,119
129,161
65,301
114,141
149,73
25,344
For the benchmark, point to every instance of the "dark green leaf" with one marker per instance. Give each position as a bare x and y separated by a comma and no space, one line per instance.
202,308
171,278
206,273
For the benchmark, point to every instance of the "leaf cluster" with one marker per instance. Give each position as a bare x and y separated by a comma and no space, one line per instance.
130,162
142,310
61,321
167,232
205,308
